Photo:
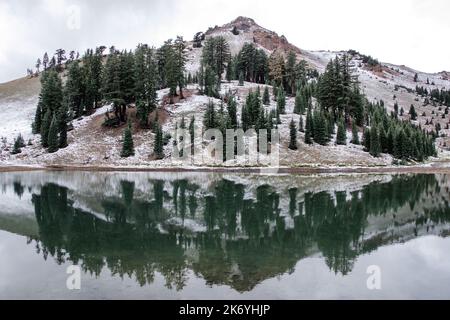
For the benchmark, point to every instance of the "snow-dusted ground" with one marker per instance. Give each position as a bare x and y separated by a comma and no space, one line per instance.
92,145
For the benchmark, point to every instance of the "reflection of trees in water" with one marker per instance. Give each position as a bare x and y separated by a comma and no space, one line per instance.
246,240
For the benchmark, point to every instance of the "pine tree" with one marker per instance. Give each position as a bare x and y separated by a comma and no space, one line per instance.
63,119
266,96
375,144
45,61
210,117
20,141
17,148
366,139
145,84
75,89
293,136
37,123
298,103
277,69
192,129
46,128
320,131
413,113
355,135
301,127
396,108
341,137
53,136
229,72
128,144
281,102
290,72
309,127
158,147
232,112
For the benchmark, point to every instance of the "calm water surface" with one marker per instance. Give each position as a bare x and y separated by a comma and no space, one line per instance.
223,236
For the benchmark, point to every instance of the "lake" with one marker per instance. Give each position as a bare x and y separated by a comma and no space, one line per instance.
224,236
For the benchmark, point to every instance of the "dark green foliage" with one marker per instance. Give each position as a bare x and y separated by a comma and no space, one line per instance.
266,96
355,136
293,136
341,137
146,82
309,127
320,129
400,138
50,102
252,63
63,119
232,112
53,144
338,92
37,123
216,54
375,143
192,129
19,143
46,128
211,82
413,113
128,144
210,117
158,146
366,139
229,72
396,108
281,102
75,90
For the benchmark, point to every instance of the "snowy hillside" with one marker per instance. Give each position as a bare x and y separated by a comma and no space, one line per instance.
101,147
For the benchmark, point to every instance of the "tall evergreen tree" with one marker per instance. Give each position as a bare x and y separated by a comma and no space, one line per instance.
128,144
53,144
413,113
158,147
266,96
232,112
375,144
281,102
17,148
355,135
210,117
366,139
320,131
146,82
63,119
341,137
293,136
37,123
309,127
74,90
46,128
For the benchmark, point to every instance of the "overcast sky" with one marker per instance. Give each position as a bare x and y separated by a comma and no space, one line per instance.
411,32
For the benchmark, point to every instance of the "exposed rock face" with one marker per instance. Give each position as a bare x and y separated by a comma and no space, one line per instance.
249,29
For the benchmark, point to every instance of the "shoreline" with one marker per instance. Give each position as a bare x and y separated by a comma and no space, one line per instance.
429,169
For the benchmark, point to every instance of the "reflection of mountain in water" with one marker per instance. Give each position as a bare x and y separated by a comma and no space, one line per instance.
227,238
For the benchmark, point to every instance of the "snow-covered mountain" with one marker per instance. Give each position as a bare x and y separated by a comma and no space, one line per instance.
387,82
